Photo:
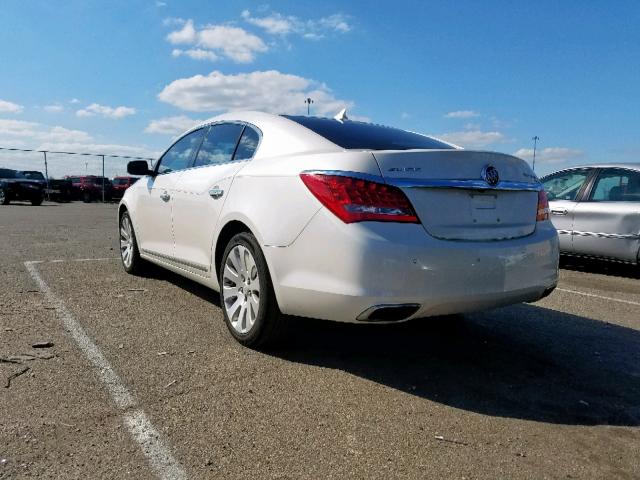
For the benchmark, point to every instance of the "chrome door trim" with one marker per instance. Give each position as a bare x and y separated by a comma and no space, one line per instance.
179,261
623,236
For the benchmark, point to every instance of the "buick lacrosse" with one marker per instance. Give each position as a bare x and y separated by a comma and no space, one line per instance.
339,220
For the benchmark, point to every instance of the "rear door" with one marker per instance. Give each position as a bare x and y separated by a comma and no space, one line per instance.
154,204
607,223
564,189
202,190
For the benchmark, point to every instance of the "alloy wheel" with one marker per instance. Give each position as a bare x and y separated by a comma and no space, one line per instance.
241,289
126,241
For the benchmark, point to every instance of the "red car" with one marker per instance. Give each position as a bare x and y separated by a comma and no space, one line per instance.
88,188
120,185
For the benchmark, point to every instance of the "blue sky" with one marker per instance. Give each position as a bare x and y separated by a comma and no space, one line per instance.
127,76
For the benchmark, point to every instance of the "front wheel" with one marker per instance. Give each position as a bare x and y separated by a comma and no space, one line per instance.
37,201
129,253
86,197
246,294
4,197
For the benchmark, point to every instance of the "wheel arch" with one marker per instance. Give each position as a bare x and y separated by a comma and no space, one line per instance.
231,228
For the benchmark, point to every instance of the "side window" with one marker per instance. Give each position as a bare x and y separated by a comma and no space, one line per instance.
180,155
617,185
565,185
219,144
247,145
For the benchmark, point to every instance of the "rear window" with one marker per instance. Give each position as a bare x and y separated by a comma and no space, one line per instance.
34,175
354,135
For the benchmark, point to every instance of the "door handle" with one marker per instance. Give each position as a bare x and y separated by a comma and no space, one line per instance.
165,197
216,192
559,211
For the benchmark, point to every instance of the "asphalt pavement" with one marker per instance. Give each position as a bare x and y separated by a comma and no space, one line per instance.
143,380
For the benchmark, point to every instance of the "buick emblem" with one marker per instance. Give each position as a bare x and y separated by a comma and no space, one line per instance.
490,175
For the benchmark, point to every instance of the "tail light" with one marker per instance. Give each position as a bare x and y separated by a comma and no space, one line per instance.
543,207
356,200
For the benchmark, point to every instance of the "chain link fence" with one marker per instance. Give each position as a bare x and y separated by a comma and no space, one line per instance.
62,171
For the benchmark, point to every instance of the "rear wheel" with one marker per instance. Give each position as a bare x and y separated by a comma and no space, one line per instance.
4,197
37,201
246,294
86,197
129,253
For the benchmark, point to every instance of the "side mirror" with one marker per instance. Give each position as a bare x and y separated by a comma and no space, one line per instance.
139,167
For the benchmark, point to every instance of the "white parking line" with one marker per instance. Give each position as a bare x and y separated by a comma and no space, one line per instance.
598,296
143,432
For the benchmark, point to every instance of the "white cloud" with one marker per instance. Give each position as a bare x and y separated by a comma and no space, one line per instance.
10,107
53,108
278,24
105,111
74,101
462,114
472,138
171,125
231,42
550,154
195,54
405,115
270,91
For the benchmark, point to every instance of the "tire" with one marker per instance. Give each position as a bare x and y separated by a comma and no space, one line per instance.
243,268
86,197
128,246
4,197
37,201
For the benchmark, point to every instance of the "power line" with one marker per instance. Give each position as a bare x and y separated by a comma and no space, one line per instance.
76,153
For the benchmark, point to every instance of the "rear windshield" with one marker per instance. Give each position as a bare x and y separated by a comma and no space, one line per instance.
367,136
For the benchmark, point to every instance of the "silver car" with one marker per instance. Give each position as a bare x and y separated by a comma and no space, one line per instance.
596,210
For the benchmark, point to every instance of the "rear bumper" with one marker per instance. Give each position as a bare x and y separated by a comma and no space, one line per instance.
336,271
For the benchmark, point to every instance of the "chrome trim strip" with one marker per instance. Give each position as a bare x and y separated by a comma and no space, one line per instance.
464,184
347,173
622,236
185,263
433,183
564,232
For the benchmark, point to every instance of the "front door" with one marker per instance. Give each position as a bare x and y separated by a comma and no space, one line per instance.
154,209
202,191
563,189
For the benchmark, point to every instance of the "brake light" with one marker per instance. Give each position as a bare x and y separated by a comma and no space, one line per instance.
356,200
543,207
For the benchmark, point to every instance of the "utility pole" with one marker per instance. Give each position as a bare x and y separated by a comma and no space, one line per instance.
535,145
46,173
308,101
86,167
102,178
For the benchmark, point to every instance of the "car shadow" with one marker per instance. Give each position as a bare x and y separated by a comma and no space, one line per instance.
601,267
523,361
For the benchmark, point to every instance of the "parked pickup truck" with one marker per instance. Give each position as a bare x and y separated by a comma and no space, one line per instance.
15,186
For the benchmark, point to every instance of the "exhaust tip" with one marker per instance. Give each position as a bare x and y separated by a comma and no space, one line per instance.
388,313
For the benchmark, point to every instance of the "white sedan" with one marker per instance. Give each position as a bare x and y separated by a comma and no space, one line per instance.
339,220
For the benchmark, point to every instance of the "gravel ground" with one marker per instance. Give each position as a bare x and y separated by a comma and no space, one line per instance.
547,390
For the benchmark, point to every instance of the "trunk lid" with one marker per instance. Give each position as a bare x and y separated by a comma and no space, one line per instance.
453,199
